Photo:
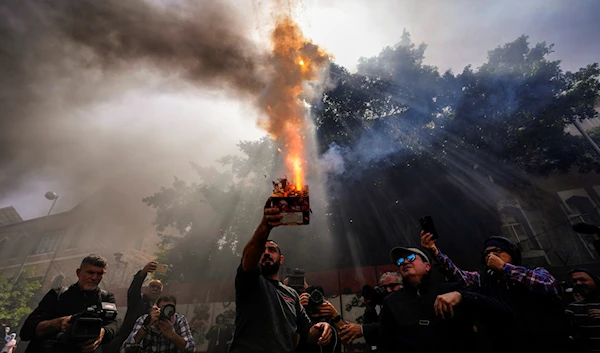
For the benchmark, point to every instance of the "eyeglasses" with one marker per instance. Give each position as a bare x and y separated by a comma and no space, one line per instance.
390,285
496,251
404,260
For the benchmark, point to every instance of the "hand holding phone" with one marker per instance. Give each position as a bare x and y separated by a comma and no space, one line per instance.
428,226
161,268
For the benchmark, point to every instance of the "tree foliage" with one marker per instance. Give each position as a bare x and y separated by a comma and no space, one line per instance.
14,299
411,141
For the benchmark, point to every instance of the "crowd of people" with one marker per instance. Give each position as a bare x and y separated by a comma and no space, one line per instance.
428,305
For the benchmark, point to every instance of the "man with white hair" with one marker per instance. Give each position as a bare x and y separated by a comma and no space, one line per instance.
391,282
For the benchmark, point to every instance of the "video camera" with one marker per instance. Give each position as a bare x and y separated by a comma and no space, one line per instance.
375,295
296,279
85,326
316,297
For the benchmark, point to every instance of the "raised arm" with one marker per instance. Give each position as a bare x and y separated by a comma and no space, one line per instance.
538,280
256,246
468,279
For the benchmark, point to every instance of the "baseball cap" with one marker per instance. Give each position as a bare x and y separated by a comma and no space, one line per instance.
400,251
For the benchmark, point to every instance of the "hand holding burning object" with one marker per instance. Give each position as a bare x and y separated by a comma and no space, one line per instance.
272,214
292,202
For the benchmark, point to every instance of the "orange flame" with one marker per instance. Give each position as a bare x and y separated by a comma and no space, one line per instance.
295,60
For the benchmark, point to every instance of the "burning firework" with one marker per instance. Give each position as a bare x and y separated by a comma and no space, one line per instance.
292,202
295,61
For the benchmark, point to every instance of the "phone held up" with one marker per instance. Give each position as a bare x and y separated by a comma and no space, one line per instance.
161,268
428,226
293,203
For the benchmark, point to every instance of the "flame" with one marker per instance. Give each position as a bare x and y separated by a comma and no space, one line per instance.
295,61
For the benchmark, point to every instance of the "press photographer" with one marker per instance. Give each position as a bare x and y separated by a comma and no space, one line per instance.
320,310
389,282
74,319
161,331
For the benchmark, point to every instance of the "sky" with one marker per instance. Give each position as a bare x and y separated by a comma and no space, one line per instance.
138,137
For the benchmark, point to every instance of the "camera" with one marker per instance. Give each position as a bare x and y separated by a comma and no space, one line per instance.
85,326
375,295
167,312
296,279
316,297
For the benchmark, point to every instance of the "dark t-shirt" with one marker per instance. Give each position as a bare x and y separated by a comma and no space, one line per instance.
268,315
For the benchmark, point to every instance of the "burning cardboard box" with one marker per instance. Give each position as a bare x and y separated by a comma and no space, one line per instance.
293,203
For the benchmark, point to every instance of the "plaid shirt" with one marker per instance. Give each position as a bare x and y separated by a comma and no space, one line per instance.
155,342
537,280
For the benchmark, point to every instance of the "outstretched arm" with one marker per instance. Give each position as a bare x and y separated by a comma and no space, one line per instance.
468,279
256,246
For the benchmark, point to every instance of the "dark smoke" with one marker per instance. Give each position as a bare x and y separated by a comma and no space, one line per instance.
60,58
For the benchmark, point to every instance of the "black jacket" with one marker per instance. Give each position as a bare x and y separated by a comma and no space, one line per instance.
71,301
409,324
137,305
539,323
370,327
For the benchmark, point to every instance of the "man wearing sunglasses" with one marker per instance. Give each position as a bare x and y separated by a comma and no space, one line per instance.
533,320
408,319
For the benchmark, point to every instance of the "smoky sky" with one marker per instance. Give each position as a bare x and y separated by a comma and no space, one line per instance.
459,32
84,103
112,92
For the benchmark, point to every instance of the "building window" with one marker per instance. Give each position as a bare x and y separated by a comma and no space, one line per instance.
48,243
516,227
78,234
580,208
19,247
3,244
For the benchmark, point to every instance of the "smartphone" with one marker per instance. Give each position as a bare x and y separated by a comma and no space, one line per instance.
160,268
428,226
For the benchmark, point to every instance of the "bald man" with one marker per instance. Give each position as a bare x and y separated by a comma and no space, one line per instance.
137,304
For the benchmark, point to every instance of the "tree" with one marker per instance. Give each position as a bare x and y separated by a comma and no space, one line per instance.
14,299
412,141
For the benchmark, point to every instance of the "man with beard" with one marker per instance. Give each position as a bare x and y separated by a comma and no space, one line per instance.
585,314
269,316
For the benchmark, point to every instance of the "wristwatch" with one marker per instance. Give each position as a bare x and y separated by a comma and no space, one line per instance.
336,318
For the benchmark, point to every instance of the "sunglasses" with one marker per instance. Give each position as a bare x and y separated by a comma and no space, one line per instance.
390,285
404,260
496,251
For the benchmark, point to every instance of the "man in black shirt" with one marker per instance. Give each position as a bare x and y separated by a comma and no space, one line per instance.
137,304
54,312
269,317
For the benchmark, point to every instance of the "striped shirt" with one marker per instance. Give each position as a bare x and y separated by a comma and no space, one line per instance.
538,280
587,328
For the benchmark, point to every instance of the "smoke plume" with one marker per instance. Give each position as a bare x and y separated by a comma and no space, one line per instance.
61,59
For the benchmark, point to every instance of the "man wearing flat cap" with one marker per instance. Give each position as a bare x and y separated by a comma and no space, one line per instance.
409,321
538,322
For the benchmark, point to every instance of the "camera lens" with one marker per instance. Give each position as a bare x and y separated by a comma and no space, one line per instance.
168,311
